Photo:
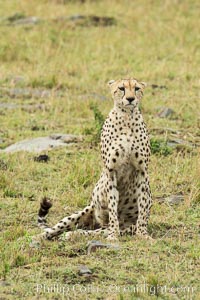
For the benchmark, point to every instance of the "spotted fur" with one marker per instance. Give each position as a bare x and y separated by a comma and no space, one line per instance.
121,199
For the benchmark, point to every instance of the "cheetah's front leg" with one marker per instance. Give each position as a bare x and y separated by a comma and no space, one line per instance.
144,203
113,200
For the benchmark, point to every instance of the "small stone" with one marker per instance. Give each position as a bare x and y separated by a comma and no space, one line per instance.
4,283
165,112
57,136
10,19
28,93
93,96
34,244
84,271
94,245
101,21
3,165
175,199
26,21
33,108
25,107
6,105
15,17
16,80
73,18
172,199
156,86
31,198
35,128
42,158
87,20
67,138
177,142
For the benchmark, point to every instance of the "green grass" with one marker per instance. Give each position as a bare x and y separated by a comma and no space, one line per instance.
154,41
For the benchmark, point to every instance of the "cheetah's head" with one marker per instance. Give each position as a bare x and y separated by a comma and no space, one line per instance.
126,92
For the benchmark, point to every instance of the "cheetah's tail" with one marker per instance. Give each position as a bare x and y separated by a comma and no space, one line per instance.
45,205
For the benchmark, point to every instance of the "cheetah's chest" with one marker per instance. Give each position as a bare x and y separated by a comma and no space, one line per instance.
125,150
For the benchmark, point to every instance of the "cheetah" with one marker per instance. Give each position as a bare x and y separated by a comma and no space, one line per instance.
121,199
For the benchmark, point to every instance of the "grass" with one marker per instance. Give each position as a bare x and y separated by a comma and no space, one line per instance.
154,41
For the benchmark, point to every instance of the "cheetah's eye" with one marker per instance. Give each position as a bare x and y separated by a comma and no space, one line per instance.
137,88
121,88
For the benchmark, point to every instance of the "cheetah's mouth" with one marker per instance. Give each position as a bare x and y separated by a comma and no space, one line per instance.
130,105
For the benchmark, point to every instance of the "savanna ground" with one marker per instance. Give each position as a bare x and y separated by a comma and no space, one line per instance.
154,41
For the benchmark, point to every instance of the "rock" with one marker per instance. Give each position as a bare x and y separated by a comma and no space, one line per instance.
155,86
12,18
175,199
175,142
79,20
67,138
29,93
42,158
172,200
87,20
94,245
70,18
34,145
41,143
26,21
31,198
159,130
4,283
19,19
33,107
6,105
165,112
3,165
93,96
35,244
15,80
99,21
37,128
17,16
84,271
25,107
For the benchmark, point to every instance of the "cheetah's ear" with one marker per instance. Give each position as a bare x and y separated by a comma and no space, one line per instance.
144,84
111,82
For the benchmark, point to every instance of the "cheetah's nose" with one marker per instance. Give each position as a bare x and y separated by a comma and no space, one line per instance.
130,99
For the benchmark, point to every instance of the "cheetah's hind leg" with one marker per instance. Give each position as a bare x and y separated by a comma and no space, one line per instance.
78,219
